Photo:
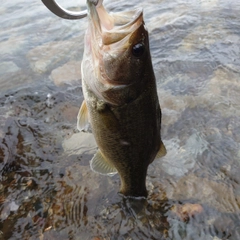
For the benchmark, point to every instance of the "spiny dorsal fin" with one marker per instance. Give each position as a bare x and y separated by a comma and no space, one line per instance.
162,151
82,118
100,165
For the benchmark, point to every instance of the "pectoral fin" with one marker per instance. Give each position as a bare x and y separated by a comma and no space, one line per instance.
100,165
162,151
82,118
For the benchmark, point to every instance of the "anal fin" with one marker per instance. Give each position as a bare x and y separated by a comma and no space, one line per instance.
162,151
100,165
82,118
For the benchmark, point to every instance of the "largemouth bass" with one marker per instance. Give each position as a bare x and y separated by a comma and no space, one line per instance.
121,101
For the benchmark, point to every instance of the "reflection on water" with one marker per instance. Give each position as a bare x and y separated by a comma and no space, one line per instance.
47,188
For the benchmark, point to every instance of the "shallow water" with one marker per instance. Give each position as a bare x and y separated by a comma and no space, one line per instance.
47,188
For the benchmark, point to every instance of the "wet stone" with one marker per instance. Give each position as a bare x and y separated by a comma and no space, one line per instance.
2,10
48,56
224,83
183,78
172,107
13,45
168,28
162,20
186,211
235,234
178,161
8,67
67,73
225,225
195,41
80,143
209,4
217,195
74,193
70,113
17,78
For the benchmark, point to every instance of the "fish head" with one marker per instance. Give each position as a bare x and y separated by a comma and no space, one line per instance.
117,51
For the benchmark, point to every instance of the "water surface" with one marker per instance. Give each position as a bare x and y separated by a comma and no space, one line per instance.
47,188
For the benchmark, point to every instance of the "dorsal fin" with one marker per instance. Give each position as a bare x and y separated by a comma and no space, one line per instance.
82,118
100,165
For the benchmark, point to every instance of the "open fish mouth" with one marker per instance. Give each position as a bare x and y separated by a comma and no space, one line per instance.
110,41
110,28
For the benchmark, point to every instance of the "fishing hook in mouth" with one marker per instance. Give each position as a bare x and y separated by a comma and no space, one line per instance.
55,8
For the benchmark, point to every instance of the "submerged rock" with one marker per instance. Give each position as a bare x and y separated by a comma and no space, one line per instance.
69,72
186,211
216,194
80,143
209,4
8,67
13,45
48,56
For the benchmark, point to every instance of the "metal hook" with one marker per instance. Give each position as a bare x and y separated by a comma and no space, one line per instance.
63,13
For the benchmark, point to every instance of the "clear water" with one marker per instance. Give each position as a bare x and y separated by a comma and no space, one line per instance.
47,190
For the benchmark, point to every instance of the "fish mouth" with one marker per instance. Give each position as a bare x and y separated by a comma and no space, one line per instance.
110,36
111,28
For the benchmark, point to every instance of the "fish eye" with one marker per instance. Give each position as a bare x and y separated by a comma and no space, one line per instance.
138,49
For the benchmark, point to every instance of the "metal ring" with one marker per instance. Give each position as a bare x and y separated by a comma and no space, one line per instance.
63,13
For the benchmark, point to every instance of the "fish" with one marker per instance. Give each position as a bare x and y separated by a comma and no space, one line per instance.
120,97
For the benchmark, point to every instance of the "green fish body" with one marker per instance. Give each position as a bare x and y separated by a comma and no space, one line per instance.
121,101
